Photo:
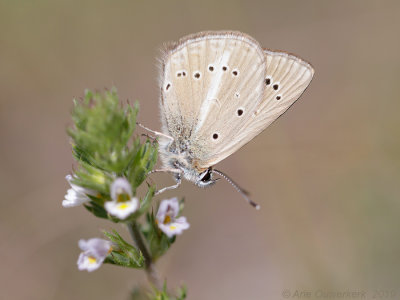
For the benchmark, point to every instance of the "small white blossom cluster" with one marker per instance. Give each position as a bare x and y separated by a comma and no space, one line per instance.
76,195
122,205
167,218
95,250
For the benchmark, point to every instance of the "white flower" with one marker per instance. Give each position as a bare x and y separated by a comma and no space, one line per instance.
167,220
94,252
76,195
122,210
122,204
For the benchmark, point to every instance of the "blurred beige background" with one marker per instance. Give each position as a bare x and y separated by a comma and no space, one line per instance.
326,173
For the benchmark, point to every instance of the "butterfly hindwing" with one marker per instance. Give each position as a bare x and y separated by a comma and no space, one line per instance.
287,77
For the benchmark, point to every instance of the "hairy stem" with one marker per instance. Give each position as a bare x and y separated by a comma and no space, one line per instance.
152,273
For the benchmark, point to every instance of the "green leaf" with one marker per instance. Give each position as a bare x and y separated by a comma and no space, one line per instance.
164,295
142,163
96,209
93,178
182,293
144,204
123,253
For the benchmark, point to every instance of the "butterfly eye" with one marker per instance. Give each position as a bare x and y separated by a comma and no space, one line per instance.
240,112
278,97
215,136
207,176
167,86
224,68
275,86
235,72
211,68
268,81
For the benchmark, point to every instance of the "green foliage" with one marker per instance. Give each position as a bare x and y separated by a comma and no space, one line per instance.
142,293
142,163
102,145
104,149
93,178
145,203
97,210
102,131
123,253
164,295
158,242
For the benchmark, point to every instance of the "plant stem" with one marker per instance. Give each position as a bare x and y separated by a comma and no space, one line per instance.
152,273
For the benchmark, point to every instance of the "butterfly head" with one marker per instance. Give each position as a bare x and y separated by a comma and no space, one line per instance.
202,178
175,156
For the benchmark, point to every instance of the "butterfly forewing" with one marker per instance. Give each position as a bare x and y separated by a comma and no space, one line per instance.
211,84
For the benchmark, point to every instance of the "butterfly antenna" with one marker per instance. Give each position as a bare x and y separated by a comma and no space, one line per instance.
238,188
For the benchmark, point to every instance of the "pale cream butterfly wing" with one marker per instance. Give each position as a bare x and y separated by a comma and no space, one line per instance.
211,84
287,77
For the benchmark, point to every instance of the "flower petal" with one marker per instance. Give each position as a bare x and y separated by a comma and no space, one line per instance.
174,228
100,246
120,186
88,262
183,222
79,189
95,250
73,198
122,210
168,207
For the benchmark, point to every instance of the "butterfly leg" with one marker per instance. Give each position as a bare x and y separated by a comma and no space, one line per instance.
174,171
150,137
156,133
172,187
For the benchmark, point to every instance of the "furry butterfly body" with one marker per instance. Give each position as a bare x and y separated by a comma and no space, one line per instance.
218,91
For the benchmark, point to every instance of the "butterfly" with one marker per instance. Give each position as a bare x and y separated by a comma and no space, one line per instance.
220,89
